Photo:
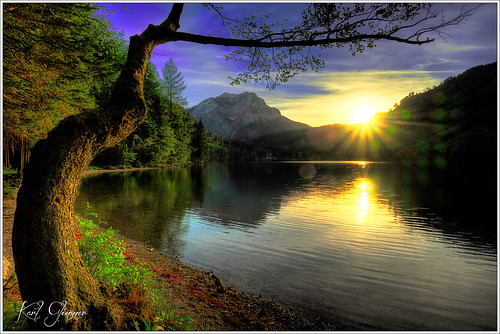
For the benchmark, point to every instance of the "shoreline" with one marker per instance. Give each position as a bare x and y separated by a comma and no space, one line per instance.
197,293
120,170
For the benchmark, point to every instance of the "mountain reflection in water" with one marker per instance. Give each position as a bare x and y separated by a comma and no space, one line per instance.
366,245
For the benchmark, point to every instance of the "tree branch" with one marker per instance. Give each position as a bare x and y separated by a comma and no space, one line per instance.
174,16
323,25
210,40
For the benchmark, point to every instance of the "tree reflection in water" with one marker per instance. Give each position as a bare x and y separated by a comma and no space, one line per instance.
323,236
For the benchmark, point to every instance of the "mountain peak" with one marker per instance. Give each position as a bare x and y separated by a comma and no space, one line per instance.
241,116
226,95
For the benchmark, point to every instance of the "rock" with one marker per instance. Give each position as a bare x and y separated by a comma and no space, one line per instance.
220,287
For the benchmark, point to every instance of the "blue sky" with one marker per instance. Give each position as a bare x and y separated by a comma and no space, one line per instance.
369,82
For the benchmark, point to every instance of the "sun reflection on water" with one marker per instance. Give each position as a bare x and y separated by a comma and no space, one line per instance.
363,185
347,210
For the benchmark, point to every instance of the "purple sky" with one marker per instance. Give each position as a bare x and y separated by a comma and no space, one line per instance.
369,82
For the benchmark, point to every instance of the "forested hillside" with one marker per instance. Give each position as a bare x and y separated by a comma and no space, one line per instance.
166,135
61,58
170,136
455,121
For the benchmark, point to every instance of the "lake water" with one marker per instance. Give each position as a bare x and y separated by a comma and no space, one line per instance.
366,246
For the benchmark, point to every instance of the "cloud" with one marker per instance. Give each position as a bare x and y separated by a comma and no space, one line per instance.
350,91
379,77
445,47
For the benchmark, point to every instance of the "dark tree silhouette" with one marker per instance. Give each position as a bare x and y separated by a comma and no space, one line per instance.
47,260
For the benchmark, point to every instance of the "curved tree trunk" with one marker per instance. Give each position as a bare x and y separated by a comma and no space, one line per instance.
47,260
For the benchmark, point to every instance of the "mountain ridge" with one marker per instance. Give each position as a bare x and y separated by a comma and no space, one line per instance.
455,121
242,117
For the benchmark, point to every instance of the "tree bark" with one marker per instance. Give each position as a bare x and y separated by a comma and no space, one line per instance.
48,264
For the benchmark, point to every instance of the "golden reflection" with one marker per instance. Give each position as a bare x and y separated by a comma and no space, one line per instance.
363,185
362,164
346,210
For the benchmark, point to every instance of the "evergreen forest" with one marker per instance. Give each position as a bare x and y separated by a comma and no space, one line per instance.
59,64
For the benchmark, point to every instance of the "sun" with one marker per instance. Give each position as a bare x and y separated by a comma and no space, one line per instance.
363,114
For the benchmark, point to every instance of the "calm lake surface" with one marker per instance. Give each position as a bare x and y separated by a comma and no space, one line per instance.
367,246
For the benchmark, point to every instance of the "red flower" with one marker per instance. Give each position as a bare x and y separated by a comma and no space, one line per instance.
78,234
130,256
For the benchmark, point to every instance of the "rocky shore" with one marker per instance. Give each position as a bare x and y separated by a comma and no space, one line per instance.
195,293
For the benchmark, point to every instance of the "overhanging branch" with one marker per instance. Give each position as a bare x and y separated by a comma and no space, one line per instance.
210,40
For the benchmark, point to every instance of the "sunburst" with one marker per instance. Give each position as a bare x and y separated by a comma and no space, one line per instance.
363,114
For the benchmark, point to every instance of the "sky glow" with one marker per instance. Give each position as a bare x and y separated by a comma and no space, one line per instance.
375,79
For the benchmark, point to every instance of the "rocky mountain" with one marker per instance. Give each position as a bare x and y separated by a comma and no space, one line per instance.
242,117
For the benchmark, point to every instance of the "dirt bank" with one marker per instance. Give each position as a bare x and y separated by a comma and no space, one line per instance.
196,293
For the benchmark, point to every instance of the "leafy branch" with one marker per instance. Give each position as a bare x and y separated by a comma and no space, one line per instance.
273,55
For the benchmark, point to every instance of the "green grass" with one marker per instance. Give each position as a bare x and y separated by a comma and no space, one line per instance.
103,255
106,167
90,167
11,181
8,191
9,171
11,307
132,283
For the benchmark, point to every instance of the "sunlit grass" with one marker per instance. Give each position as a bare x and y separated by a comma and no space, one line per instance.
132,283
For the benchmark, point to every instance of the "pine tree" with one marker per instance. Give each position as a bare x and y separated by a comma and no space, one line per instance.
200,143
173,84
